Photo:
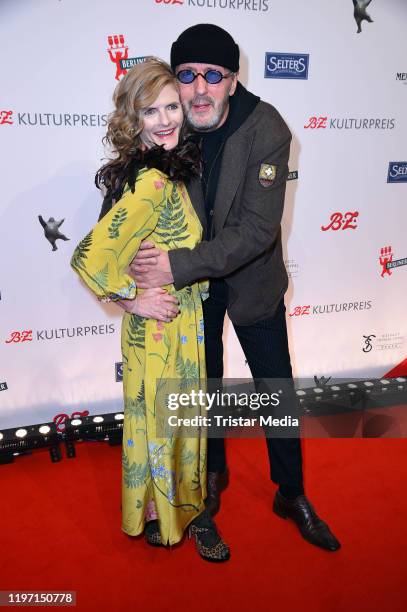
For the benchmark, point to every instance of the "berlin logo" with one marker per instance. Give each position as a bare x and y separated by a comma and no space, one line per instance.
387,263
51,231
360,13
339,221
397,172
368,343
119,55
117,51
286,65
6,117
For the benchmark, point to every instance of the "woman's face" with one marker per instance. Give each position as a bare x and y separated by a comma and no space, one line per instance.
162,120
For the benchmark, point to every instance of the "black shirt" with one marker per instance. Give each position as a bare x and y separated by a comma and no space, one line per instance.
241,105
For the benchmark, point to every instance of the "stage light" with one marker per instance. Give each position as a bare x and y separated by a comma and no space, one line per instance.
20,433
353,395
23,440
107,427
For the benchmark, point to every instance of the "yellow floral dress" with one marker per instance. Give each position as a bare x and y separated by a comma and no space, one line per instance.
167,473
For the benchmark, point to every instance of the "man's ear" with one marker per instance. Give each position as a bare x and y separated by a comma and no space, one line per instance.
234,84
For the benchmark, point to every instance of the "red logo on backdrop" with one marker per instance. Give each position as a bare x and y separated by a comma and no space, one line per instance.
386,256
316,123
6,117
117,51
299,311
20,336
59,419
339,221
169,1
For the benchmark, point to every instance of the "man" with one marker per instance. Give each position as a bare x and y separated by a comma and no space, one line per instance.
245,148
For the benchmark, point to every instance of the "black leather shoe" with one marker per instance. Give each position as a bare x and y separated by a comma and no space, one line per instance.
312,528
216,483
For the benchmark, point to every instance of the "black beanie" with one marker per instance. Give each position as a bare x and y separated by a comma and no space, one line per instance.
205,43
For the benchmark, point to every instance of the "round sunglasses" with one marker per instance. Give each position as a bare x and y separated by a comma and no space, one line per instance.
211,76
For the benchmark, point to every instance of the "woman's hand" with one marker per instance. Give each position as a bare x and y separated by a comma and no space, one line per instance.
154,303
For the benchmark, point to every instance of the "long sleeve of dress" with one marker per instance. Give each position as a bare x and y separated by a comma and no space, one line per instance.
102,257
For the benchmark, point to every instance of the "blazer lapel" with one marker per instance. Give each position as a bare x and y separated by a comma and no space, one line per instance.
234,160
196,196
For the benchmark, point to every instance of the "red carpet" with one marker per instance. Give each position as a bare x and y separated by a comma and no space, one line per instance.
60,530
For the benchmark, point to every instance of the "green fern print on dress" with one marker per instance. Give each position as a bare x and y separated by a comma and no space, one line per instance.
168,472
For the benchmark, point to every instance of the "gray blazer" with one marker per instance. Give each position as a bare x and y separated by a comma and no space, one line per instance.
246,246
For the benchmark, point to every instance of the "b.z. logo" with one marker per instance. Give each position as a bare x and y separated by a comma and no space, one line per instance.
339,221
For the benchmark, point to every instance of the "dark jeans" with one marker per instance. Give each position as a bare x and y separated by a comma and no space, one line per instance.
265,346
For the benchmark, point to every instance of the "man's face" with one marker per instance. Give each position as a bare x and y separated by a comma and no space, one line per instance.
206,106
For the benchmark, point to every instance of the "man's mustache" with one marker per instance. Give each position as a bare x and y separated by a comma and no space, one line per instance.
201,100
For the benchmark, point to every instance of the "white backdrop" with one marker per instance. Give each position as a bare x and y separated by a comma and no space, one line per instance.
58,345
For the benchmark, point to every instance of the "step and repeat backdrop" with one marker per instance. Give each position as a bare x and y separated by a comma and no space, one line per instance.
336,71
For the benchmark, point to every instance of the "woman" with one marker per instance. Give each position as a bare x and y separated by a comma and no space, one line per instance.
163,479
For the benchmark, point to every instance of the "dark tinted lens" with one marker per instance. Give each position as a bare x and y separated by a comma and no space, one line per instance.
185,76
213,76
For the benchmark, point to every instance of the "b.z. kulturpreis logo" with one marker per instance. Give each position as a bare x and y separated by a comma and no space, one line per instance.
350,123
397,172
286,65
